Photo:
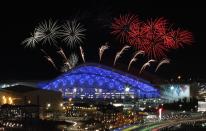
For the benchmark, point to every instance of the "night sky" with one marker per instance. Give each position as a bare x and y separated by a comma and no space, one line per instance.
18,20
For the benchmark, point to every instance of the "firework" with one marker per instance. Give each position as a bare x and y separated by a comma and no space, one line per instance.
164,61
102,49
118,55
72,33
147,64
134,58
48,31
32,40
73,59
139,53
131,61
177,38
153,40
49,59
61,52
82,53
121,26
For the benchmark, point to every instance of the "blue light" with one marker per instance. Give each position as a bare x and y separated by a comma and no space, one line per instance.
97,76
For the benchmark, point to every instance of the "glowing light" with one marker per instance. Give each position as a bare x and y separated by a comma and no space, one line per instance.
10,100
4,99
48,105
160,113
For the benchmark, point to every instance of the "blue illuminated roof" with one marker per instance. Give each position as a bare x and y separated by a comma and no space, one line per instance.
99,76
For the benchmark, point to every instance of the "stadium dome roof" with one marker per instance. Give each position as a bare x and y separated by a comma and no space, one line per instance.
99,76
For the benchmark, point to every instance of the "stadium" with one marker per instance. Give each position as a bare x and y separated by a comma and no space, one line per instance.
98,81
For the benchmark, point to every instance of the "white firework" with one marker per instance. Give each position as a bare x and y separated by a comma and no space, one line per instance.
118,55
73,59
61,52
48,31
72,33
49,59
134,58
131,61
152,60
147,64
102,49
82,53
139,53
164,61
32,40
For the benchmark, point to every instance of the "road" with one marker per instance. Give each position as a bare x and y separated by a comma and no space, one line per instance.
155,126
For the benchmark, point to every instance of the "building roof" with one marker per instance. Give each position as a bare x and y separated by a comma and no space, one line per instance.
96,75
21,88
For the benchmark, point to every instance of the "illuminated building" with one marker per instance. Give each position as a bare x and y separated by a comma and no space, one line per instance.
97,81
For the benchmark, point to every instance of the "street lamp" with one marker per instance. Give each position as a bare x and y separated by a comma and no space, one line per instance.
180,105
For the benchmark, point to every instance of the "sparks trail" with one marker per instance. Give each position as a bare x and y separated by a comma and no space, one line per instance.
82,53
164,61
61,52
102,49
72,33
131,61
73,59
134,58
118,55
147,64
49,59
139,53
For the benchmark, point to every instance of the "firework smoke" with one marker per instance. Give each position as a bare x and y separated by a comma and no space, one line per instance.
164,61
73,59
82,53
102,49
148,63
118,55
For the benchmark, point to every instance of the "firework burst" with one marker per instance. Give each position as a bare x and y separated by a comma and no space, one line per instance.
48,31
82,53
177,38
32,40
72,33
164,61
121,26
118,55
102,49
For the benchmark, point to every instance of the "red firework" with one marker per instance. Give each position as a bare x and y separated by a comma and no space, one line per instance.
149,37
121,26
155,38
178,38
